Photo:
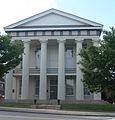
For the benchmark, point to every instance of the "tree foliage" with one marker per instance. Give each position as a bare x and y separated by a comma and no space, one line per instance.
10,54
99,64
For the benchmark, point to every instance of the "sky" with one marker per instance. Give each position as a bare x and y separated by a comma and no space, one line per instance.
101,11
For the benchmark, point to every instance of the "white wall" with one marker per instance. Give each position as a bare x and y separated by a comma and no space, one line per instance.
52,56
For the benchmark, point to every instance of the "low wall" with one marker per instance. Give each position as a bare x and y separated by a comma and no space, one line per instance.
54,102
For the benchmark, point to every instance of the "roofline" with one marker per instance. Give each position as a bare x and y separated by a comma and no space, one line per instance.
64,28
78,17
52,10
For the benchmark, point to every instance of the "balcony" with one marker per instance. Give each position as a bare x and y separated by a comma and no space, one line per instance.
36,71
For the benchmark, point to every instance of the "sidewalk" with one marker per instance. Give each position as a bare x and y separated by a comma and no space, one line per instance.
58,112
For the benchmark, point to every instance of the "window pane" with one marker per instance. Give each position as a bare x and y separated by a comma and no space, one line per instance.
37,87
38,54
20,86
69,58
69,87
86,92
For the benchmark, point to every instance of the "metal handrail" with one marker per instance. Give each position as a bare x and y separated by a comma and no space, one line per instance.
49,70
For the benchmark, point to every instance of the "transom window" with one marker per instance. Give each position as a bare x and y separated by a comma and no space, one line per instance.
69,87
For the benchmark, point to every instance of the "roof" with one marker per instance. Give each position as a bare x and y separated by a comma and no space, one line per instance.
53,19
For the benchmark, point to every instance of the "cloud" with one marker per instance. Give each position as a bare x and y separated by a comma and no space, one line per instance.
12,11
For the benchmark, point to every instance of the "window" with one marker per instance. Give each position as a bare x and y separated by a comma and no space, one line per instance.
20,86
84,45
38,53
69,87
1,86
86,91
37,82
69,58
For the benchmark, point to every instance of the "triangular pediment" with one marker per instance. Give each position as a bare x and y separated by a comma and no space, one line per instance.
53,20
53,17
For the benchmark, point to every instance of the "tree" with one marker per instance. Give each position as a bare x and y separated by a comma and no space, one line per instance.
10,54
99,65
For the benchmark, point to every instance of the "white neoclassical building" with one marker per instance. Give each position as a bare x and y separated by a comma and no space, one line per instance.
49,70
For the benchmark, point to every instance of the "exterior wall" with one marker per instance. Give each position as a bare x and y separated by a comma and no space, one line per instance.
52,59
32,57
88,97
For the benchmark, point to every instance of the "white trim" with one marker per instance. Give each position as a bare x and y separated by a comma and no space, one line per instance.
55,12
69,28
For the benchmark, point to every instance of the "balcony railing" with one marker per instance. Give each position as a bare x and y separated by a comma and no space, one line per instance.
49,70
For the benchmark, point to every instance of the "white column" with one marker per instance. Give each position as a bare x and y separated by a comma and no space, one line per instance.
95,42
61,70
43,71
98,95
25,71
8,85
79,76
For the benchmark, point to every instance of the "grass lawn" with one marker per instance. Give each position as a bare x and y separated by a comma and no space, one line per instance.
15,105
73,107
89,107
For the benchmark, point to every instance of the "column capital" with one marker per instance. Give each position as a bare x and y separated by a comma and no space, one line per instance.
61,40
79,39
43,40
26,41
95,39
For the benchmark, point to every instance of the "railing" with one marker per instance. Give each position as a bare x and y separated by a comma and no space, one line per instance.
70,70
49,70
52,70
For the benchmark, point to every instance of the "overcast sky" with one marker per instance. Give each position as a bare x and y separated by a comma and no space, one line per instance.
101,11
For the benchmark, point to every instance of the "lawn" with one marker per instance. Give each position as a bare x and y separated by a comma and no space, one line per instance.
73,107
88,107
15,105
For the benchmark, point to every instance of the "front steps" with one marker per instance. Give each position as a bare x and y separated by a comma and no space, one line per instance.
57,107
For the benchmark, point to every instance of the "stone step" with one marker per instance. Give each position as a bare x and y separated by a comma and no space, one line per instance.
57,107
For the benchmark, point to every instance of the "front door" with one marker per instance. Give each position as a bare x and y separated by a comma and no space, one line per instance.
53,89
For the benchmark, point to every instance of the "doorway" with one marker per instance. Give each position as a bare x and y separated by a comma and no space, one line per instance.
53,89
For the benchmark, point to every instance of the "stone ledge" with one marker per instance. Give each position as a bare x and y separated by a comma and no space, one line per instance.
57,107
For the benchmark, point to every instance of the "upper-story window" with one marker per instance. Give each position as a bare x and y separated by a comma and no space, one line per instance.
84,45
38,54
69,57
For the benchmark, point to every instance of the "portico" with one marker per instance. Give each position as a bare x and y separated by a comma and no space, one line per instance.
50,69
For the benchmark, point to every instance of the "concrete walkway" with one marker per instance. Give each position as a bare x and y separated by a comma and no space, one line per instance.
59,112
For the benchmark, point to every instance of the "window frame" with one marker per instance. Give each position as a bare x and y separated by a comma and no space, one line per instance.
69,88
37,87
